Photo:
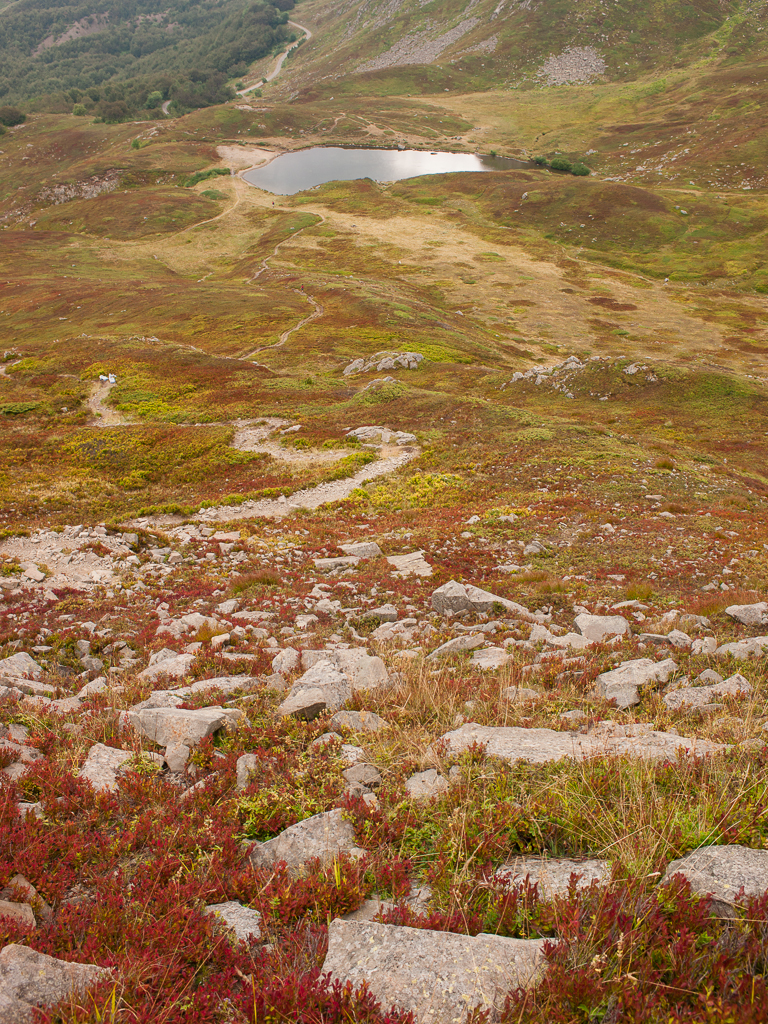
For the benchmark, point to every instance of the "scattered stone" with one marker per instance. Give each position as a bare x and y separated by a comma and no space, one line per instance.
751,647
20,665
167,663
722,871
490,659
455,597
702,697
362,549
412,564
323,835
439,976
601,627
286,662
426,785
749,614
30,981
322,688
243,921
553,876
176,756
457,645
704,645
19,913
363,774
102,766
169,726
382,361
384,613
512,743
331,564
364,671
19,885
622,684
244,769
358,721
520,694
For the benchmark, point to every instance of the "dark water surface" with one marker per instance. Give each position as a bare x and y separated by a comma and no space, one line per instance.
294,172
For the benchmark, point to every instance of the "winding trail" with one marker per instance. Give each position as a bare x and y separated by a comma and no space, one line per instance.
280,60
390,459
317,312
104,415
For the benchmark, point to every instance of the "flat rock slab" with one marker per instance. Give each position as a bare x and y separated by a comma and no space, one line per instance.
102,766
412,564
749,614
455,597
362,549
751,647
553,875
20,665
458,645
701,696
512,743
490,659
722,871
168,726
439,976
172,698
175,666
426,785
601,627
622,684
30,980
358,721
244,922
323,835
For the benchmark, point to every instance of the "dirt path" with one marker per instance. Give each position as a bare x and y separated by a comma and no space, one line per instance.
391,459
280,60
317,312
104,415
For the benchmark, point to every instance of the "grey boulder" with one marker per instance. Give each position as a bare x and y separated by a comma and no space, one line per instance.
102,766
751,647
30,980
601,627
455,597
722,871
242,921
511,743
20,664
426,785
439,976
701,696
168,726
358,721
324,835
749,614
322,688
621,684
458,645
553,876
167,663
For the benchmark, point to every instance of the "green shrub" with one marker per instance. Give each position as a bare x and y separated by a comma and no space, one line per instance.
10,116
198,176
560,163
79,110
154,100
581,170
540,161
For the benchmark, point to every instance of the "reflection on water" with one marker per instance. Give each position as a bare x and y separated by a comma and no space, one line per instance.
294,172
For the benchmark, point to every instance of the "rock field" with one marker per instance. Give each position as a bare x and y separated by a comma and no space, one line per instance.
138,672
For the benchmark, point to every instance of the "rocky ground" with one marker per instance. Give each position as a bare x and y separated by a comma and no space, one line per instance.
287,770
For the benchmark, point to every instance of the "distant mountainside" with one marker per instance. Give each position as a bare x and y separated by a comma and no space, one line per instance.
124,51
494,43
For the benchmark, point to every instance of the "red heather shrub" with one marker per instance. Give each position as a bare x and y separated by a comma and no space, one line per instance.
666,957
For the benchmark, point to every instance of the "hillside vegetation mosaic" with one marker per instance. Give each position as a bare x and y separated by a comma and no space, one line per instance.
384,564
